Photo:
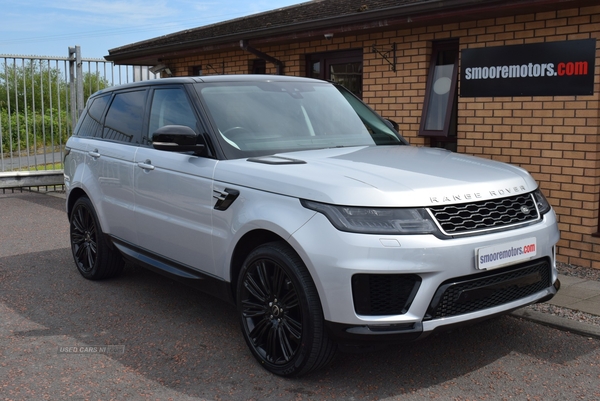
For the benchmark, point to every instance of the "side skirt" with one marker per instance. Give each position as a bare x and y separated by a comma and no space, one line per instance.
205,282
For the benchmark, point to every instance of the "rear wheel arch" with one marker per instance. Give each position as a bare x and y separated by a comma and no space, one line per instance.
74,195
94,255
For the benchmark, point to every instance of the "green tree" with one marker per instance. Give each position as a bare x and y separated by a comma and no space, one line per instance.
32,87
34,105
93,82
35,86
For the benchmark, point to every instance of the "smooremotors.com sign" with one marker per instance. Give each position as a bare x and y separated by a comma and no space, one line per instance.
540,69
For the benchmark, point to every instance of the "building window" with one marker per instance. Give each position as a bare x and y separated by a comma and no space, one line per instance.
344,68
196,71
258,66
439,109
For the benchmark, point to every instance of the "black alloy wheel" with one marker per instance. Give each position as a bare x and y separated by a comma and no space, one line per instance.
281,315
94,257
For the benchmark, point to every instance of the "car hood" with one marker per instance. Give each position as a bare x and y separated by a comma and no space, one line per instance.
378,176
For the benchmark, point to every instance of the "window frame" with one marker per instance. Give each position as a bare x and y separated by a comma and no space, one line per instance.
326,59
437,48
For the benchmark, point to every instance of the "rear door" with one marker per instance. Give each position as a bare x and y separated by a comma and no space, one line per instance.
110,161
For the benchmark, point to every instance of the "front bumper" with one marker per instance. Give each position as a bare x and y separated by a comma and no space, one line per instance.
334,258
352,337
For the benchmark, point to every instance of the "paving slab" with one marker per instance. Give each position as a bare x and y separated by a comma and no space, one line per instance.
567,281
590,305
578,292
562,299
589,285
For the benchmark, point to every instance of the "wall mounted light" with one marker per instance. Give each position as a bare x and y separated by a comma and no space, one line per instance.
158,68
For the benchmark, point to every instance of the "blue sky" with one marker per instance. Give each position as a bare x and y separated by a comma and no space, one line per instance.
50,27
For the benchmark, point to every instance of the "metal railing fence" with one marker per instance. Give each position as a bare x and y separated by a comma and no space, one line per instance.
40,101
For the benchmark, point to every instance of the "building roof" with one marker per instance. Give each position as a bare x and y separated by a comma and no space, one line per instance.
313,19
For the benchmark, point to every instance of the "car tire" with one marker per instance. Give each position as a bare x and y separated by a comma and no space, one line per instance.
94,257
281,314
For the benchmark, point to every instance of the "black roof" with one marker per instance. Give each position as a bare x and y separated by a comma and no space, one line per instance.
212,79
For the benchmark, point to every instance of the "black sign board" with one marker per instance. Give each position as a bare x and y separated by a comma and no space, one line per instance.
540,69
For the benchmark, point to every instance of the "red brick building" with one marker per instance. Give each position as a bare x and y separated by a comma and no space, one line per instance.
516,81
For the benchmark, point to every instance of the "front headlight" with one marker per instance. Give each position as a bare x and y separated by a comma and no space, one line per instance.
541,202
375,220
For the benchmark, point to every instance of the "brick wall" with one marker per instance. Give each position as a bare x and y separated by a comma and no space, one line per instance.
554,138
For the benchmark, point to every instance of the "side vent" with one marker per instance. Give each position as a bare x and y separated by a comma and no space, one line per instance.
225,198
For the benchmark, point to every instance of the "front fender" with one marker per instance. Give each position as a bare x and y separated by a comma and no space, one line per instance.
254,210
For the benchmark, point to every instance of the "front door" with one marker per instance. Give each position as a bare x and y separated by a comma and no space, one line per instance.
173,191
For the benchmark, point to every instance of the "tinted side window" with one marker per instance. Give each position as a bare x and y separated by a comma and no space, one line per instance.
125,117
170,106
91,122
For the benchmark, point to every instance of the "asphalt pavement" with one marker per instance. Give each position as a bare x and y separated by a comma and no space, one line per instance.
9,162
143,337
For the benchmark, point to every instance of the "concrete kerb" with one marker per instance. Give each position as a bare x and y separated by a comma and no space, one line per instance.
557,322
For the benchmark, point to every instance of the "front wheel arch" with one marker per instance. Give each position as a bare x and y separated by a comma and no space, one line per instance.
280,312
250,241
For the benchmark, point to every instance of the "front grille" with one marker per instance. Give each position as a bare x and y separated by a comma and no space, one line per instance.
384,294
485,215
489,289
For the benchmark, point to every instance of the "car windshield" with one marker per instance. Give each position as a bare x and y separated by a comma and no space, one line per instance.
261,118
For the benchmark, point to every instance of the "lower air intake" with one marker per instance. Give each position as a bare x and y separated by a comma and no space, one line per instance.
486,290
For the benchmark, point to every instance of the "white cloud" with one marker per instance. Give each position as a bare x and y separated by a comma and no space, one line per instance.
49,26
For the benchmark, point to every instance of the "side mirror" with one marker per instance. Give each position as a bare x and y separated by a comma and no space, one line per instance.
392,124
178,138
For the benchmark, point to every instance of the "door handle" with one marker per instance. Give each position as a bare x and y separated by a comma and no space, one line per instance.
146,165
94,153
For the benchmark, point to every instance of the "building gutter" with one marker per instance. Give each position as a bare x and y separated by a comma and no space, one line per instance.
278,63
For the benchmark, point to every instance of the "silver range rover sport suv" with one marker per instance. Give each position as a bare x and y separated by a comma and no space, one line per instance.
292,199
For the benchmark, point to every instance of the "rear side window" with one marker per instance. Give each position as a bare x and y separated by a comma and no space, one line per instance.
91,122
125,117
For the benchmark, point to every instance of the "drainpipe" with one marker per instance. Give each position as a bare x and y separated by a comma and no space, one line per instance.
278,63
